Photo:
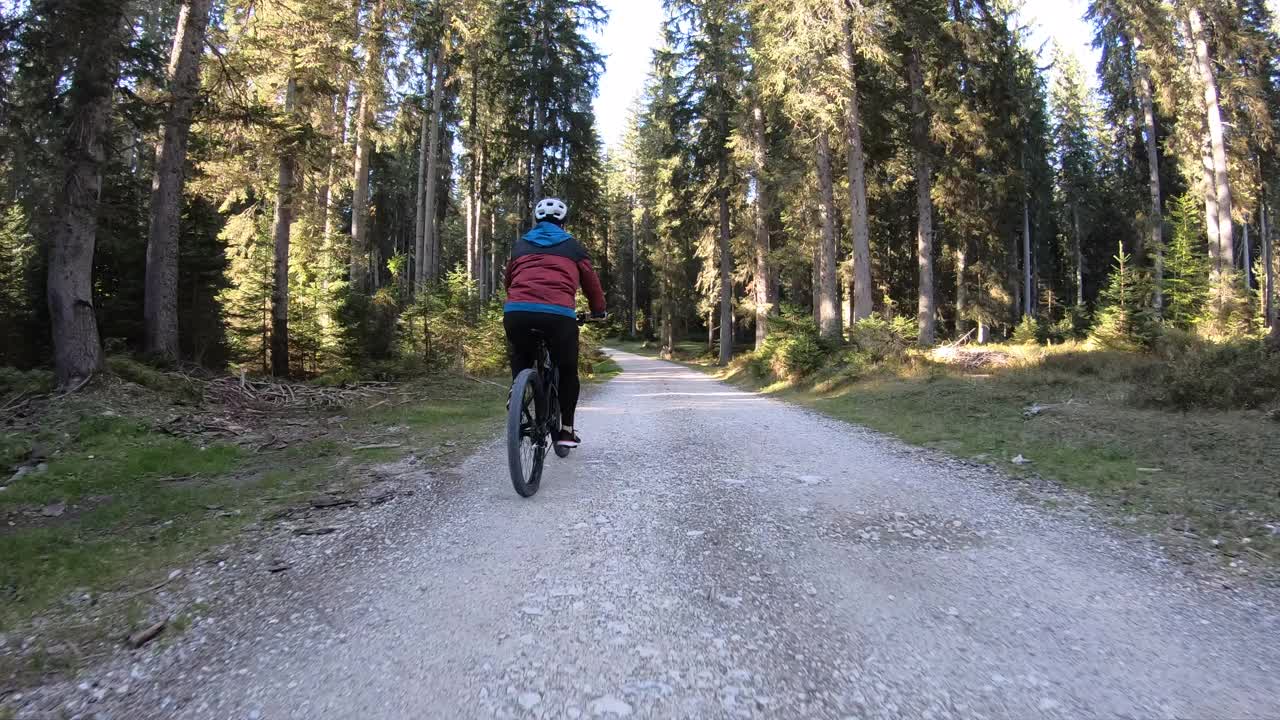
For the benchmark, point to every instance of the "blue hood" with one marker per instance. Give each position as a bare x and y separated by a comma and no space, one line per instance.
547,234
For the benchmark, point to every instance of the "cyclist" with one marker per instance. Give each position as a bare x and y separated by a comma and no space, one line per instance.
547,267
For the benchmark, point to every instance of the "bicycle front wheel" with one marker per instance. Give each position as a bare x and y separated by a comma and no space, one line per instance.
526,443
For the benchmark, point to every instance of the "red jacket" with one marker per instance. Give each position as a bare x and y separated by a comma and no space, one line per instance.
547,267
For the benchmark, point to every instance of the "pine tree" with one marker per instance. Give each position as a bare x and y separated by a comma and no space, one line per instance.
664,144
709,33
1126,321
1186,277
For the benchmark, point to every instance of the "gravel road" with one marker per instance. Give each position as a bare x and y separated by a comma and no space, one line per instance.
710,553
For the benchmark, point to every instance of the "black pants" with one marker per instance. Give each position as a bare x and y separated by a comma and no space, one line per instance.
561,334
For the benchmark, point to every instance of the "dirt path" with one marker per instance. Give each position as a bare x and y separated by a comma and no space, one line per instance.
711,553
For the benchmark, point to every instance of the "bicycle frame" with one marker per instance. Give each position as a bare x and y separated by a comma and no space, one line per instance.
548,393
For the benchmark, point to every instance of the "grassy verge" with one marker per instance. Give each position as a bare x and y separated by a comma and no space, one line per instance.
1206,479
118,498
603,370
686,351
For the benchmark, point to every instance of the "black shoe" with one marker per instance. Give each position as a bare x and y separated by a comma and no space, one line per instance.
567,439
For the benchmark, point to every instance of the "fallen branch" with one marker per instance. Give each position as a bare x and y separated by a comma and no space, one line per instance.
84,381
12,402
376,446
331,502
486,382
961,340
315,531
145,590
146,635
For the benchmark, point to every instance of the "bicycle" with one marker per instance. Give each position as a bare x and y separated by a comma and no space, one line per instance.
533,418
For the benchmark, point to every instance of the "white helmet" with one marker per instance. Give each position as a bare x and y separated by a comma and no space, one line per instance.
550,207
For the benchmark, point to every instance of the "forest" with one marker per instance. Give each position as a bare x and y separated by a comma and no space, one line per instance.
329,187
252,253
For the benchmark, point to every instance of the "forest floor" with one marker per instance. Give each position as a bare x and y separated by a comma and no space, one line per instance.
1206,482
111,488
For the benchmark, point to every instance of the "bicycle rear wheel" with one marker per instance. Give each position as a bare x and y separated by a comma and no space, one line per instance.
526,443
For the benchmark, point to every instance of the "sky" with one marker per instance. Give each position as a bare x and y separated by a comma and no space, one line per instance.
635,28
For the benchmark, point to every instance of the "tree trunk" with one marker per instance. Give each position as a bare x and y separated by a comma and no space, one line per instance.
924,199
862,299
431,264
726,272
726,248
634,309
539,146
281,226
472,218
668,322
469,240
828,290
370,93
477,235
1224,261
360,196
1268,261
1248,261
962,288
444,172
494,255
1155,219
711,330
1079,251
765,292
331,181
77,349
1013,278
536,163
1210,191
535,168
815,274
1028,293
160,308
420,204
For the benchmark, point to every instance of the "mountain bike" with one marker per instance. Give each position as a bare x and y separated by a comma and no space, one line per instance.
533,418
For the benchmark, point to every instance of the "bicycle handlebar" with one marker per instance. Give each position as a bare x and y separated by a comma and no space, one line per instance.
584,318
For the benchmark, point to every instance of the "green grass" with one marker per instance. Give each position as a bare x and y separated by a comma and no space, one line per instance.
979,417
604,370
120,503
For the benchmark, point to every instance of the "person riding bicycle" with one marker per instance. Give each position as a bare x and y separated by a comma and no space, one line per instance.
547,267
